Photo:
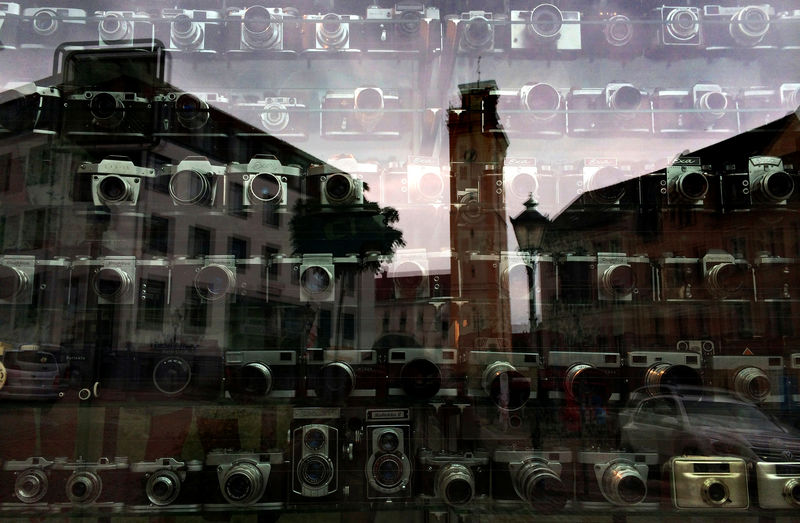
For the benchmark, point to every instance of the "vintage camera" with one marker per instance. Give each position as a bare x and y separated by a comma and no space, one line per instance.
245,479
423,373
49,27
119,280
315,458
365,111
196,113
190,30
616,479
607,185
97,485
116,181
341,189
191,373
613,30
708,482
265,181
681,279
165,485
523,182
778,485
259,28
30,485
620,107
389,462
107,117
681,26
408,26
416,274
477,32
333,376
703,347
9,24
113,280
427,181
256,375
770,184
317,278
758,106
508,379
660,372
370,173
330,32
752,378
546,27
195,181
281,116
609,276
747,26
223,277
455,479
726,277
540,478
116,28
29,108
578,375
776,278
706,108
687,184
535,109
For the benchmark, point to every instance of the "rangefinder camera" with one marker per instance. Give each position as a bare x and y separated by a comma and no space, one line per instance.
617,479
257,375
190,30
259,28
280,116
746,27
708,482
661,372
108,117
116,181
778,485
507,379
422,374
333,376
48,27
165,485
244,479
365,111
83,484
330,32
118,28
455,479
536,108
546,27
705,108
542,479
408,26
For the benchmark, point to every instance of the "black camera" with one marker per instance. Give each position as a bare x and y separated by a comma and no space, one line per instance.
28,485
266,182
746,27
259,28
535,109
330,32
334,376
455,479
389,463
48,27
196,113
169,371
365,111
117,28
190,30
540,478
546,27
617,479
165,485
706,108
684,184
9,24
280,116
620,108
116,182
194,181
257,375
107,117
244,479
408,26
29,108
315,457
708,482
422,374
220,278
770,184
99,486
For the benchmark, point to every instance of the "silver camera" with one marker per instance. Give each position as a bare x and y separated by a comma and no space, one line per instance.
315,455
536,108
335,375
686,181
747,26
769,182
317,278
192,30
48,27
703,347
255,28
711,102
620,479
188,112
455,479
369,111
538,477
661,371
106,111
339,188
330,31
31,482
727,277
261,374
265,180
243,477
124,27
751,378
168,485
114,280
508,379
194,181
280,116
476,32
708,482
84,483
778,485
546,26
16,279
621,277
116,181
216,278
389,467
680,26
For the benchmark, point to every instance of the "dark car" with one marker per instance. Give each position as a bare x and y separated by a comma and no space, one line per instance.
702,423
31,373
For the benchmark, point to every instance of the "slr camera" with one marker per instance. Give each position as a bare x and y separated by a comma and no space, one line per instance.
190,30
28,281
29,108
770,184
118,28
408,26
681,278
389,463
82,484
422,374
223,277
614,31
616,479
579,375
413,274
455,479
194,181
778,485
427,181
244,479
751,378
168,372
116,181
708,482
165,485
330,32
315,455
727,277
524,181
110,280
546,27
680,28
265,181
280,116
706,108
49,27
776,278
747,27
608,276
507,379
660,372
259,28
28,487
333,376
684,184
107,117
620,107
478,32
317,278
365,111
9,24
537,109
183,113
542,479
257,375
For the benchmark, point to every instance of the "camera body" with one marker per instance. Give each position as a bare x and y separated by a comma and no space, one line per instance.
524,181
389,464
755,379
170,372
727,277
190,30
625,481
19,271
244,480
280,116
747,27
95,485
546,27
119,28
27,485
681,279
423,373
427,182
330,32
606,185
687,183
195,114
265,182
408,26
619,108
194,181
455,479
536,108
507,379
9,24
258,28
660,371
776,278
257,375
116,181
575,375
317,278
107,117
165,485
777,484
609,276
365,111
335,376
315,442
542,479
680,28
222,277
770,184
415,274
613,29
706,108
111,280
49,27
708,482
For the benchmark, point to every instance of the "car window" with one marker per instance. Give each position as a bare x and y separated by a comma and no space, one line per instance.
735,415
23,360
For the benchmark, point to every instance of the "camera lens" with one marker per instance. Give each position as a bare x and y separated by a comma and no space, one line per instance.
255,380
420,379
315,470
31,486
83,487
478,33
243,484
238,486
409,277
332,32
172,375
791,492
455,484
45,22
114,189
777,186
626,98
258,29
185,33
388,471
430,185
214,282
266,187
662,377
315,439
409,22
604,186
543,100
712,106
506,386
114,28
525,186
714,492
585,381
182,24
388,441
275,117
725,279
192,112
12,282
106,110
339,189
189,187
545,21
163,487
315,280
618,280
618,30
752,384
692,186
111,283
336,381
539,485
683,24
749,26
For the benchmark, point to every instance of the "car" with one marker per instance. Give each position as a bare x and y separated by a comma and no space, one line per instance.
706,423
32,373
